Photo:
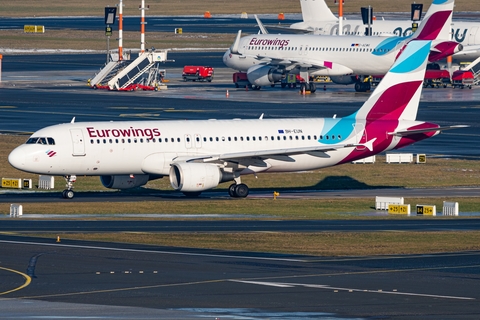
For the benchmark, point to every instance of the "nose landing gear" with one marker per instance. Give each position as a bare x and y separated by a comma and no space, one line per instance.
68,193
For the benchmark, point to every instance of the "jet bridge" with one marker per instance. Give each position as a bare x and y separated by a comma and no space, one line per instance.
124,74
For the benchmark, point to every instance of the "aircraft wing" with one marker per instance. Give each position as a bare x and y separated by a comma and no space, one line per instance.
235,156
291,63
403,133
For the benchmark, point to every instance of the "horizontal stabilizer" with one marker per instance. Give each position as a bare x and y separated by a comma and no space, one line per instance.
416,131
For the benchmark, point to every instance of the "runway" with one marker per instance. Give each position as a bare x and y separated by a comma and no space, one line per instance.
176,283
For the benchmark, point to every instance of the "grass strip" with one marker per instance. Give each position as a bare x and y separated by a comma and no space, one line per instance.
316,244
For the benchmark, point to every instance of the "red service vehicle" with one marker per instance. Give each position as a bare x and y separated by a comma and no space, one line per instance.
199,73
436,78
240,80
462,79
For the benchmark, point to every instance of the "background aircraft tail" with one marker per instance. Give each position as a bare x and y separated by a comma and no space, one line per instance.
316,10
437,22
398,94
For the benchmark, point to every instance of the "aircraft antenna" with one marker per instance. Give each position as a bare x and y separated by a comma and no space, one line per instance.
73,120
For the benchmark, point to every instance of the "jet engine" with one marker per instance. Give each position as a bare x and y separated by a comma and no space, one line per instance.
196,177
262,75
124,181
346,79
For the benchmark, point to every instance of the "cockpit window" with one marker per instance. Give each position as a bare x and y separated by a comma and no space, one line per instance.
41,140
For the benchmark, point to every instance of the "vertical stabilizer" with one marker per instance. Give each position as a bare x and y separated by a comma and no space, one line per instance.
316,10
398,94
437,22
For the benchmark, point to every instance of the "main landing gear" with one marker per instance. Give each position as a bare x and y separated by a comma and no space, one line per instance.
310,86
238,190
361,86
68,193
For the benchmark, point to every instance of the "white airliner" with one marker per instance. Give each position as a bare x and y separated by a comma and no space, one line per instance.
199,155
319,19
267,58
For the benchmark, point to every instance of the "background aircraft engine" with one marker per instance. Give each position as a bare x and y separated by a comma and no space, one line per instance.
196,177
444,49
124,181
343,79
261,75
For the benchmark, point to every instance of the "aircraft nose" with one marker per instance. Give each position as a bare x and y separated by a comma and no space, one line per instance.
225,57
16,158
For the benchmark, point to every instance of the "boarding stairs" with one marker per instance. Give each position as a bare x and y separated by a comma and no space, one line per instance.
119,75
137,70
475,68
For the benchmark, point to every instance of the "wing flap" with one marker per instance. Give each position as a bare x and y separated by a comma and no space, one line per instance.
265,153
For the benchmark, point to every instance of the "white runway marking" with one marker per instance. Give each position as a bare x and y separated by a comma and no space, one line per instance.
322,286
150,251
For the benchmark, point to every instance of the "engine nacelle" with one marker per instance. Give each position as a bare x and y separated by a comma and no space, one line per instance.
262,75
194,177
443,49
344,79
124,181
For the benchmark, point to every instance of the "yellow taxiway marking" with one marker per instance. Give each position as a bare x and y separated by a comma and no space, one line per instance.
27,281
123,289
8,107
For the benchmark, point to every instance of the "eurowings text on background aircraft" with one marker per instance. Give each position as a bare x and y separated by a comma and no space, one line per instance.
198,155
319,19
267,58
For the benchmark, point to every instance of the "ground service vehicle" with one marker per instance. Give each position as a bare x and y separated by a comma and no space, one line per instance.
435,77
199,73
462,79
240,80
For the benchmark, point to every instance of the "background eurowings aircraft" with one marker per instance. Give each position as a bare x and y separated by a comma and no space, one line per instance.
198,155
267,58
319,19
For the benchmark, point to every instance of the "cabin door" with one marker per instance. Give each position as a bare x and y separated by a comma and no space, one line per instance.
78,142
472,37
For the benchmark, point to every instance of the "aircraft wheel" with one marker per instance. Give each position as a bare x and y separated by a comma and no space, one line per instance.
313,87
68,194
303,87
358,87
241,190
231,190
